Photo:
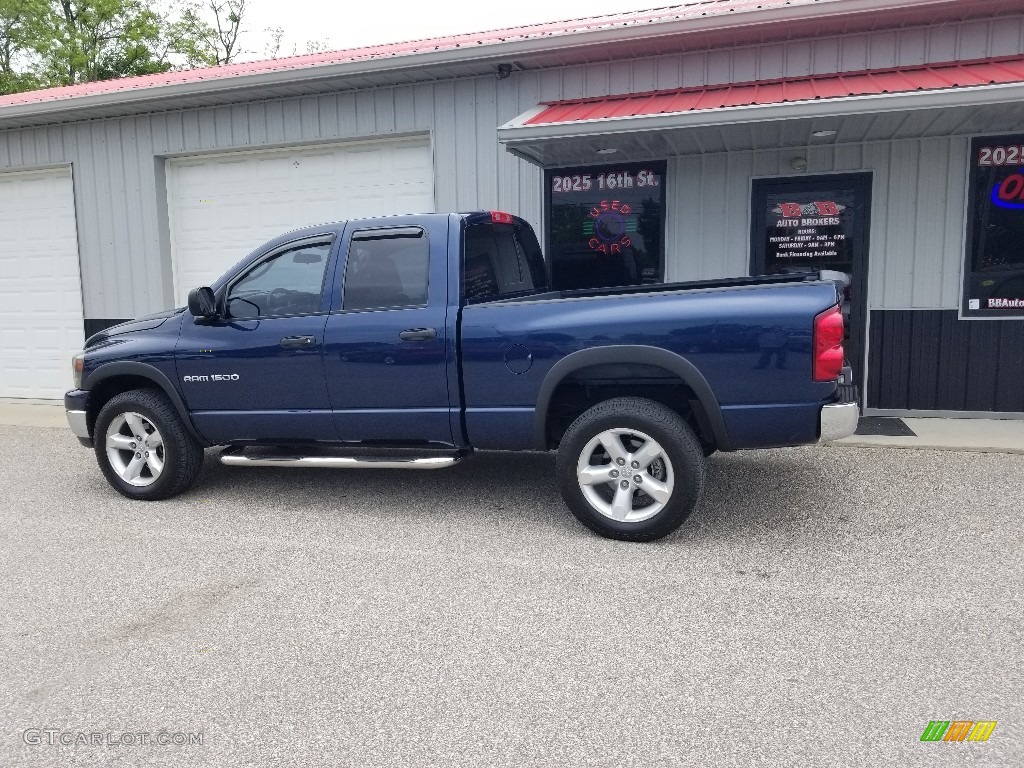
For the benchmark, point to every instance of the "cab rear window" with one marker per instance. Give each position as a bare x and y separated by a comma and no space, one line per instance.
502,260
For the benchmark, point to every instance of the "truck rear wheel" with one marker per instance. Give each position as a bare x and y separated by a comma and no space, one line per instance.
143,449
631,469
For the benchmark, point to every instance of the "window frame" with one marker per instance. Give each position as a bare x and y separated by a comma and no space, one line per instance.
363,234
591,171
328,239
968,274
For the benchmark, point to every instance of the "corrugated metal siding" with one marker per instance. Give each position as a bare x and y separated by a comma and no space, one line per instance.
917,221
878,50
121,198
930,360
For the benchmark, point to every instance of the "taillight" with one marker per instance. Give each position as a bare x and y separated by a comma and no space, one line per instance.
828,345
498,217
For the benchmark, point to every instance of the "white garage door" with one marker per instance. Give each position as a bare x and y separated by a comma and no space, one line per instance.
40,287
223,206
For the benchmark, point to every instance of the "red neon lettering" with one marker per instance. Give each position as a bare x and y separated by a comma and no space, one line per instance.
1012,188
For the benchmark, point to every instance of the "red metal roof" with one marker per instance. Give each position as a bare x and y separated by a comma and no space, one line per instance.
452,42
689,10
866,83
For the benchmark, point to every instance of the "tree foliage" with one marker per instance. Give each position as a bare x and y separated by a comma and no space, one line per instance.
45,43
211,30
19,21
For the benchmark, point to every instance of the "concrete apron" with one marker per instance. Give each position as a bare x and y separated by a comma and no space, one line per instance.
982,435
33,413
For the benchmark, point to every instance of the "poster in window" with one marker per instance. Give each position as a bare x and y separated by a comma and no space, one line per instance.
994,259
809,231
606,225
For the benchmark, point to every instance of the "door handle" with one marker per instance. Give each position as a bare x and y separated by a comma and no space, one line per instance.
297,342
418,334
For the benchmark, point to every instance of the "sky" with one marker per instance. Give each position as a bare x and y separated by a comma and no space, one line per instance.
336,25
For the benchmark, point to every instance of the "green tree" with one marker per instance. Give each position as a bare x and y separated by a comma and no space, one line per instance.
86,40
211,32
19,29
47,43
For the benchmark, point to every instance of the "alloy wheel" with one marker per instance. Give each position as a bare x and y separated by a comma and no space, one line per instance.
625,475
135,449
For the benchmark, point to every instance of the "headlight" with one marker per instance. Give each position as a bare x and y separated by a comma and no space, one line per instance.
77,366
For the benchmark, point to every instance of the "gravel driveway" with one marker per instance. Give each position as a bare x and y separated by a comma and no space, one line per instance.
819,609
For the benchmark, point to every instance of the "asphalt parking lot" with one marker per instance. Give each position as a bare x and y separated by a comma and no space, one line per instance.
819,609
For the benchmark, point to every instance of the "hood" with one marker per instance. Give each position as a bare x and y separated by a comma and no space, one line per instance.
146,323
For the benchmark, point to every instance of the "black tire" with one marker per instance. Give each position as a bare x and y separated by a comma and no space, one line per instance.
680,445
182,455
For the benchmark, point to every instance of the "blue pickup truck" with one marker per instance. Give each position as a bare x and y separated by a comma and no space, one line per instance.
410,341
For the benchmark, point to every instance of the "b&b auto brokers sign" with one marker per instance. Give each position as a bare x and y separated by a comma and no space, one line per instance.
807,231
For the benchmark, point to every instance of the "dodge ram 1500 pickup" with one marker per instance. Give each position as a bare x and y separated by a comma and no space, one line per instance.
410,341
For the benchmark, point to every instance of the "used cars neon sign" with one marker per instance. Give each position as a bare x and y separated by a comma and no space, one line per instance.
610,226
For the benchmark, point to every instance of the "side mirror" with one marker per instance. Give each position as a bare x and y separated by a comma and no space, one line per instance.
202,302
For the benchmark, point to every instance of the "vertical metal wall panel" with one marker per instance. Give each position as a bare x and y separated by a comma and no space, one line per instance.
897,247
870,50
707,230
958,156
876,158
482,181
924,360
934,201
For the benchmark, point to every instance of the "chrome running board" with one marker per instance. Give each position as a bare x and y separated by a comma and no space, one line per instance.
339,462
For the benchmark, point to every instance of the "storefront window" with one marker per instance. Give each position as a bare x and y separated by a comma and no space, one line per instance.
994,267
606,225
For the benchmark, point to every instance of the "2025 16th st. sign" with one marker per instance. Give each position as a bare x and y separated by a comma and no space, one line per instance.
994,259
606,225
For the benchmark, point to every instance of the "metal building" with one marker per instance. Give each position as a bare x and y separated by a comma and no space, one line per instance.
708,139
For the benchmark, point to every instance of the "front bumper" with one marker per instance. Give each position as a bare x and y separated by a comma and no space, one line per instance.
79,423
78,416
839,420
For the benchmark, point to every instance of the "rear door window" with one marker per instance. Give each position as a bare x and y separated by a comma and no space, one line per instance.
387,269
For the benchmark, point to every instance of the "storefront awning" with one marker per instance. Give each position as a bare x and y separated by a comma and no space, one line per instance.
660,123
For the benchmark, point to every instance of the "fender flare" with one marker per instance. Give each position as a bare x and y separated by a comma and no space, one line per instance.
630,354
146,371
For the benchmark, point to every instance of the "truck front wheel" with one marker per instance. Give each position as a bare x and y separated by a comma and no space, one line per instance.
143,449
631,469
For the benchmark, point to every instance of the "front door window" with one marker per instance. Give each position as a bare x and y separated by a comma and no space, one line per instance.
289,283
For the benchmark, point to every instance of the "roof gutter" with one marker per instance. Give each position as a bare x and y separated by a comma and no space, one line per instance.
515,133
825,10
